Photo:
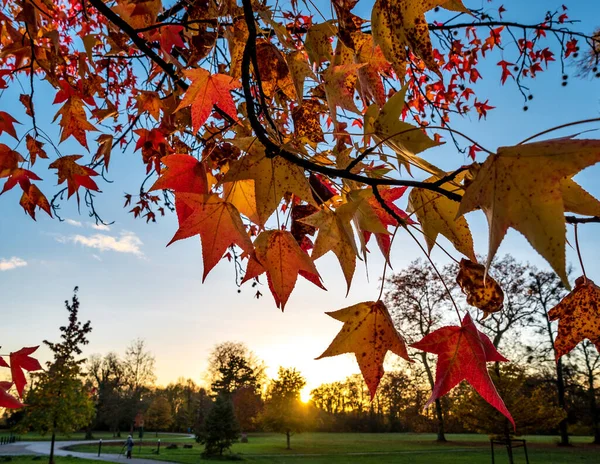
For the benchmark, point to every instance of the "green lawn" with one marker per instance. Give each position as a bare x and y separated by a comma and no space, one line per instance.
32,436
329,448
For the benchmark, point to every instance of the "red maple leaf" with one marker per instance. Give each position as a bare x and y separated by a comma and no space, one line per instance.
7,400
19,361
462,355
7,124
75,174
206,91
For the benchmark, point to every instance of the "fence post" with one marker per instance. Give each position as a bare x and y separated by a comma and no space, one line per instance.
99,447
158,450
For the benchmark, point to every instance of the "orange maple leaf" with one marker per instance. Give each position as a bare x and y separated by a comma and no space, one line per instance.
278,254
74,121
75,174
206,91
7,124
369,333
183,174
21,177
579,317
462,355
32,198
218,223
9,160
34,147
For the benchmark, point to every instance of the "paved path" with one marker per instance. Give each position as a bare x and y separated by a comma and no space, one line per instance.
43,448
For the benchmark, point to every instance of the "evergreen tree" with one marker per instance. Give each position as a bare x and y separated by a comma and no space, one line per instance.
59,401
220,429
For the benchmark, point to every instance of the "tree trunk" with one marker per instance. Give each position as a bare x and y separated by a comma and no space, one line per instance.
441,437
560,387
560,384
52,440
594,409
287,437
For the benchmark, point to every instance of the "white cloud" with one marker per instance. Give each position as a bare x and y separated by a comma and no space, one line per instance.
127,242
100,227
11,263
72,222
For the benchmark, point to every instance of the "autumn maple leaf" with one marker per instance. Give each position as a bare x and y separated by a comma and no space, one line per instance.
517,187
405,139
401,24
19,361
273,177
482,291
335,234
206,91
7,124
278,254
437,214
578,316
369,333
34,147
183,173
74,121
7,400
33,198
75,174
462,355
217,222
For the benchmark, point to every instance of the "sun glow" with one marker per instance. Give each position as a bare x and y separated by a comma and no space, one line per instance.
305,394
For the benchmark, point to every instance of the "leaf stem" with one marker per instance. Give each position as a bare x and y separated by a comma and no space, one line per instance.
562,126
579,252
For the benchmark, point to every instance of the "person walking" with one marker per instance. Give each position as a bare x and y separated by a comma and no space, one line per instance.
129,446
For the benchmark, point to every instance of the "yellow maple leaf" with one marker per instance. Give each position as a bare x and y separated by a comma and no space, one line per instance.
369,333
401,24
521,187
437,215
317,43
273,177
405,139
335,234
241,195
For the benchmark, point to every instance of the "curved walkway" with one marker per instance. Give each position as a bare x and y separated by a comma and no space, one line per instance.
43,448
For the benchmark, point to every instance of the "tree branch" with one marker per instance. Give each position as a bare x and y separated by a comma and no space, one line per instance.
272,149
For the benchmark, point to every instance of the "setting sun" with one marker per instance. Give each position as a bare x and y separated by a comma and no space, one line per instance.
305,394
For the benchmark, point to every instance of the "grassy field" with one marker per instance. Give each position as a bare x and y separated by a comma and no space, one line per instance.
31,436
325,448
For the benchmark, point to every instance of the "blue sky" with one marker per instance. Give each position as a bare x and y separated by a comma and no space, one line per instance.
132,286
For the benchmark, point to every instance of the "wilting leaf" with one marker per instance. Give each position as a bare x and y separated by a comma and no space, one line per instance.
482,291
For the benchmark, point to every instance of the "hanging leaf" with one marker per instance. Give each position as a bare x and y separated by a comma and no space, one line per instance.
517,188
462,355
369,333
482,291
578,316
